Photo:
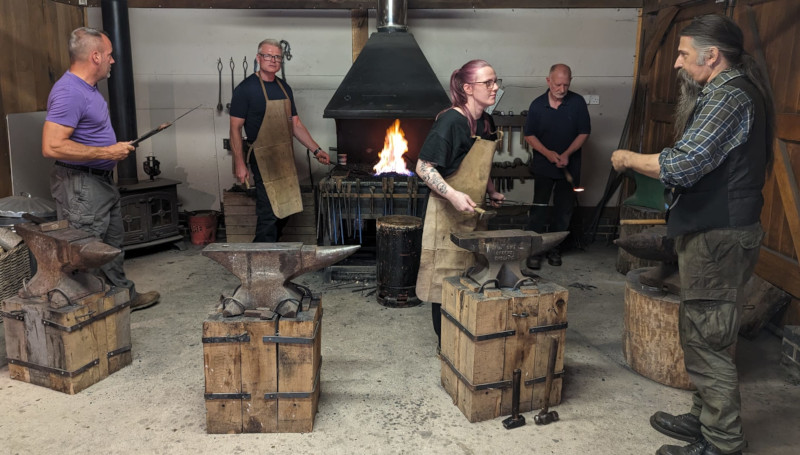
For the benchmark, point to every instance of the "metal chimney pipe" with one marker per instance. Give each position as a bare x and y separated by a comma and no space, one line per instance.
392,15
122,100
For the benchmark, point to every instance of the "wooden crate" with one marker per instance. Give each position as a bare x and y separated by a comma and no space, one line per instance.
68,349
486,336
262,376
240,219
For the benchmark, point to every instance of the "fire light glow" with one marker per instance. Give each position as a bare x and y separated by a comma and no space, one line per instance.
391,157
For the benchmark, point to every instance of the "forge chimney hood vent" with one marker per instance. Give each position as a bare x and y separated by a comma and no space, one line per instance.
391,78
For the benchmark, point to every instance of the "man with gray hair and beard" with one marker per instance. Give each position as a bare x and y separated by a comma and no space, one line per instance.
716,171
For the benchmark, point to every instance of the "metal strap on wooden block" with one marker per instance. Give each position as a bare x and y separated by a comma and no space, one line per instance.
83,324
490,385
19,315
232,339
119,351
472,337
65,373
548,328
292,340
542,379
227,396
279,395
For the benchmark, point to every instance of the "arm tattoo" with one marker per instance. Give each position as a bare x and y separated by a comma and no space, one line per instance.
432,178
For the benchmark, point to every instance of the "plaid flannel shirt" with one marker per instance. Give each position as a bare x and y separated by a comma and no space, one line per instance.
721,121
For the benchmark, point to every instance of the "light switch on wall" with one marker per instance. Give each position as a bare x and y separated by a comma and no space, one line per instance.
592,99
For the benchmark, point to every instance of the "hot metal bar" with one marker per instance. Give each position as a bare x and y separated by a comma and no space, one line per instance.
65,373
472,337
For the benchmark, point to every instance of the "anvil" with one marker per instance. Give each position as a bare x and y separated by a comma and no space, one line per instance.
500,252
62,258
265,270
654,245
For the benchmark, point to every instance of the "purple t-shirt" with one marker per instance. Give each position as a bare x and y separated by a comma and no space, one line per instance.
75,104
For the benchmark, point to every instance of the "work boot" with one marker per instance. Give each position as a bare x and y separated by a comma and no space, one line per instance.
701,447
554,258
685,427
534,262
146,300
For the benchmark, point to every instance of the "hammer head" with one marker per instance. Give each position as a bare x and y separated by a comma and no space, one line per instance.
484,214
545,418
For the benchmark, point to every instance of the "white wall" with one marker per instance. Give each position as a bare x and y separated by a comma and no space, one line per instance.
175,54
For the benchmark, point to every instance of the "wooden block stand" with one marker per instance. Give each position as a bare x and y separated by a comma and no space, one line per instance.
240,219
69,348
262,376
486,336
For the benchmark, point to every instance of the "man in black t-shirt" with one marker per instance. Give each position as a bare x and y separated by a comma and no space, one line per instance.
556,128
248,110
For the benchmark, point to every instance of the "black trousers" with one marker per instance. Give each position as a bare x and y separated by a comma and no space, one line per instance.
563,204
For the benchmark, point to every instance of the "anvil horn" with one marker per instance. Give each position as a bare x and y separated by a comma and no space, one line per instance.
266,268
651,244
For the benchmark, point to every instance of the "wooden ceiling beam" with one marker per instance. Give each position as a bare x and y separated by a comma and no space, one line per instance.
365,4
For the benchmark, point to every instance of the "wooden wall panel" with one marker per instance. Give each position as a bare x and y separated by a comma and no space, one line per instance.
33,47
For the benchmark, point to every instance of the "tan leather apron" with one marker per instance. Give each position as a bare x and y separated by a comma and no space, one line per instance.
275,156
440,257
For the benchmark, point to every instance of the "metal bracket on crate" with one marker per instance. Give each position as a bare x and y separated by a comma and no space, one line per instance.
83,324
119,351
278,395
548,328
60,372
542,379
232,339
473,337
227,396
18,315
291,340
489,385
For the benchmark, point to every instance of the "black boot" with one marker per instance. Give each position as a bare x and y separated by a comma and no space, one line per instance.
701,447
685,427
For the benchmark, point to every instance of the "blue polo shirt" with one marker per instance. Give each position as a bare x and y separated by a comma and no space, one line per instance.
556,129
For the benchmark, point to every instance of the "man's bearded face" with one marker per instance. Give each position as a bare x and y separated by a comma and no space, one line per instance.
689,90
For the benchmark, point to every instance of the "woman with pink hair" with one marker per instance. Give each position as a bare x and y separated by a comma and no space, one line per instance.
455,161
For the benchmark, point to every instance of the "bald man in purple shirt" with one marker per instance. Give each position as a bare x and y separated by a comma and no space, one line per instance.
77,133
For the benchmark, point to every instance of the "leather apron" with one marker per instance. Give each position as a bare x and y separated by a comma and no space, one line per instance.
440,257
275,156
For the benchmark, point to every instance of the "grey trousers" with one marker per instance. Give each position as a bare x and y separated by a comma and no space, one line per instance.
91,203
714,266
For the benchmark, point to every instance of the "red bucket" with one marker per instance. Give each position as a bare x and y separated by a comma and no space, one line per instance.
203,227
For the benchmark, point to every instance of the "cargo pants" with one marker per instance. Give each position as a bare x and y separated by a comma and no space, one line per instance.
714,266
91,203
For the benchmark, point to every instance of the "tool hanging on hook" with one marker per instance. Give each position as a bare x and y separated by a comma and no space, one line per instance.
233,65
219,97
286,51
244,65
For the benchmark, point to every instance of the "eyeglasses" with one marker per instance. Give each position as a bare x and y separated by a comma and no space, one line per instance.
274,58
490,83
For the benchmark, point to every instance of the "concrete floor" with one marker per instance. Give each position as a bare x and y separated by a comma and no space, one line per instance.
380,381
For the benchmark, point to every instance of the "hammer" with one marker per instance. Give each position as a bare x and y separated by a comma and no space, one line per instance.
544,417
484,214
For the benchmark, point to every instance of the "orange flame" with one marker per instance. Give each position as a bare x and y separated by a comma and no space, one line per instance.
394,146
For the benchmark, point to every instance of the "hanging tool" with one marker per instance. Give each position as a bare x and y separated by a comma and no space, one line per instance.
161,127
286,51
391,195
358,208
233,65
510,129
244,65
544,417
219,98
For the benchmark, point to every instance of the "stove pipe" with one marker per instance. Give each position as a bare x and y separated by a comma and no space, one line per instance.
392,15
122,100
